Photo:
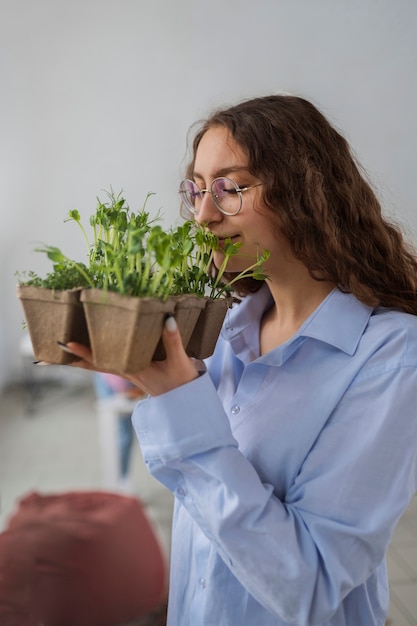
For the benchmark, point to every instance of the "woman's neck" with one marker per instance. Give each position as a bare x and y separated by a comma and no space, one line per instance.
293,304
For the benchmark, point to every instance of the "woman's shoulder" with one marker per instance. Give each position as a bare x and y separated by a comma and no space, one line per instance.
396,329
395,319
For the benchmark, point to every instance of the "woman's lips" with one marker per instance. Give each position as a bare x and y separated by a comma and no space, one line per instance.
231,238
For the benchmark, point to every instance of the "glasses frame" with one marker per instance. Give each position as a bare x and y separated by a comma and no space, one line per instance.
239,191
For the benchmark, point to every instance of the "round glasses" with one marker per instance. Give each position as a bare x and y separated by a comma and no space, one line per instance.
225,194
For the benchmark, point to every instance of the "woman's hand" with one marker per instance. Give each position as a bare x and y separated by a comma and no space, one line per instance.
161,376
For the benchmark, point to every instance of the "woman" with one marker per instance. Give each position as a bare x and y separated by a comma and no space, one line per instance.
293,457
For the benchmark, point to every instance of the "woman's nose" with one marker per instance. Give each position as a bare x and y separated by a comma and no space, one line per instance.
208,212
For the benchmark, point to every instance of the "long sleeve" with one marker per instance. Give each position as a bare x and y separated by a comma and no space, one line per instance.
296,490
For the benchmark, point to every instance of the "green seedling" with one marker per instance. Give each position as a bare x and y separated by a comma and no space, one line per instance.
129,253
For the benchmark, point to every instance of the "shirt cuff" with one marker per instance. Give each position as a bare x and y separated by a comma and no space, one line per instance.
185,421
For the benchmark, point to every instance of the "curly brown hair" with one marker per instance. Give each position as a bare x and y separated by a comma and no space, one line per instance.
319,199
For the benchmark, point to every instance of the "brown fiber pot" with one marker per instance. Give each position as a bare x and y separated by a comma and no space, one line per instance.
124,331
52,316
188,309
207,329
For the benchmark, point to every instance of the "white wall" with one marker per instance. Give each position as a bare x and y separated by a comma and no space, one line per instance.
97,93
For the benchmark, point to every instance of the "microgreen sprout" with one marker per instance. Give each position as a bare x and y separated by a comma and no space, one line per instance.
212,283
131,254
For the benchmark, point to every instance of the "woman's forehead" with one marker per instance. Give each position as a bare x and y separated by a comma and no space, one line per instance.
218,149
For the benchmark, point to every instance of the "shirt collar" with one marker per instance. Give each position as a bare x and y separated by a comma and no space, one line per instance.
339,320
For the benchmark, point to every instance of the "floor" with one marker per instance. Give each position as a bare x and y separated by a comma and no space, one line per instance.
49,442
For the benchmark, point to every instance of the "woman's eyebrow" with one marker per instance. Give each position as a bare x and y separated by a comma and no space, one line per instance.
224,171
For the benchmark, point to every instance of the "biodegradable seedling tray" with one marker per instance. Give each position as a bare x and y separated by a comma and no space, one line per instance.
124,332
53,316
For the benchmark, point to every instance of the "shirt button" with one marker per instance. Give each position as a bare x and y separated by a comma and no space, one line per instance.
181,491
235,410
202,583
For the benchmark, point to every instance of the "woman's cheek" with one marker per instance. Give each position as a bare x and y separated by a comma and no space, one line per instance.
236,263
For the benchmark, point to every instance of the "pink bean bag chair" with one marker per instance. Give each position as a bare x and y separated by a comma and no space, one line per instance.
79,559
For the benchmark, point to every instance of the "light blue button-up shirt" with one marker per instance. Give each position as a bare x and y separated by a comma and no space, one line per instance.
290,470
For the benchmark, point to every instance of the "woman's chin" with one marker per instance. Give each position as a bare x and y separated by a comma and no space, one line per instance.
235,264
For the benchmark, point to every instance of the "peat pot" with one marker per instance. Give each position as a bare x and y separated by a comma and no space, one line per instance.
52,316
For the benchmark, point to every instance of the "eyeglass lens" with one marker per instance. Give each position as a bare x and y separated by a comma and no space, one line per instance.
224,192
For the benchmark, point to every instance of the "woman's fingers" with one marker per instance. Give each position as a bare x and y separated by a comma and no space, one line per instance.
84,352
176,370
172,341
161,376
177,357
